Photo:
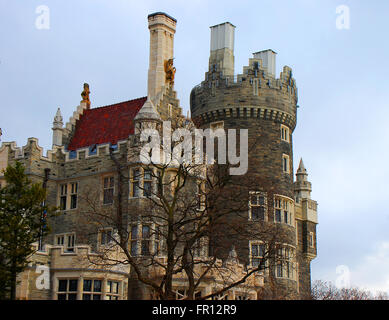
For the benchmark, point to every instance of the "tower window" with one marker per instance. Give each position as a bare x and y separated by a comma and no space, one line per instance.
284,262
311,240
217,125
257,206
145,239
257,254
285,163
283,210
147,183
285,133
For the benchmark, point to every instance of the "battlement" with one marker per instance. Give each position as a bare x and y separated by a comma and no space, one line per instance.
254,93
32,149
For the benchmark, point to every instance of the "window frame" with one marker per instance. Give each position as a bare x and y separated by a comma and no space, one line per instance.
64,237
92,293
110,178
100,237
285,133
137,243
258,194
285,160
283,204
68,191
67,292
259,244
286,262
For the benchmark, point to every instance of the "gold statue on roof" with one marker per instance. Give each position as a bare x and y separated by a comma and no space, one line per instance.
85,94
170,71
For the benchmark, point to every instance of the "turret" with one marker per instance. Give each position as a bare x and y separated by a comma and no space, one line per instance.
302,186
57,128
147,117
162,29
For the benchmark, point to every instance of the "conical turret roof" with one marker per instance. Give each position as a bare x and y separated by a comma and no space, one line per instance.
148,112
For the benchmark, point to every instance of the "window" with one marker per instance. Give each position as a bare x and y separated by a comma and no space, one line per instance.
73,195
91,289
63,197
108,190
147,183
284,264
217,125
60,240
283,210
68,196
70,242
257,253
112,290
135,187
145,240
311,240
285,163
285,133
67,289
258,205
66,240
105,237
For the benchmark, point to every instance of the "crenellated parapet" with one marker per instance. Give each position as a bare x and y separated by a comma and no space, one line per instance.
255,93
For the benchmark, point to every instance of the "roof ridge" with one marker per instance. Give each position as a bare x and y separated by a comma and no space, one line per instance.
114,104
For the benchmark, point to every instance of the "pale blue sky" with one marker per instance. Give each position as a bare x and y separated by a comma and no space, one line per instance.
342,76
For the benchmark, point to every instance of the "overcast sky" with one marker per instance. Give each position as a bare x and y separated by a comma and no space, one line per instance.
342,76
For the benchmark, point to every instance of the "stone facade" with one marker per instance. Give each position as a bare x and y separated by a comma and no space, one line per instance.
255,100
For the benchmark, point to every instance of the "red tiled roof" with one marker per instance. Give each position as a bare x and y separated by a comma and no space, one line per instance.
106,124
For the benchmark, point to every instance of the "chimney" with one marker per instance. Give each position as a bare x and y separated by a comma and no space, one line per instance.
222,48
268,58
162,29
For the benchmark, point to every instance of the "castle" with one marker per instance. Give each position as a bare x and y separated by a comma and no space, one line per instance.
82,161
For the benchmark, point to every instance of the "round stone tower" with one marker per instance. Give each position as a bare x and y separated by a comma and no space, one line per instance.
267,106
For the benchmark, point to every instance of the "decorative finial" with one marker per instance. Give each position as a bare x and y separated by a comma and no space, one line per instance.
58,120
170,72
301,166
85,94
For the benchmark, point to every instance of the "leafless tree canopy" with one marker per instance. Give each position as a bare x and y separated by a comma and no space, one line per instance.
322,290
189,216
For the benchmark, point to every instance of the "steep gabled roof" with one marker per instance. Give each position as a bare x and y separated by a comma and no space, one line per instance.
108,124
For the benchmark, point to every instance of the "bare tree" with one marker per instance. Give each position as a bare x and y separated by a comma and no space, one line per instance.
178,226
322,290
